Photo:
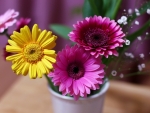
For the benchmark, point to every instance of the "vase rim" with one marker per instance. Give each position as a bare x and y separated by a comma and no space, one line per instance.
103,90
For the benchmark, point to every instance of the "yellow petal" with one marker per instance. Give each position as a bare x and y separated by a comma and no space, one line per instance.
25,69
34,71
17,65
49,52
39,73
22,37
14,57
41,36
12,43
47,36
30,71
25,34
28,32
47,63
51,59
48,42
13,49
17,40
41,67
35,32
51,46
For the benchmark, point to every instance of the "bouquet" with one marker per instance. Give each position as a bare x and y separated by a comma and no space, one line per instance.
99,43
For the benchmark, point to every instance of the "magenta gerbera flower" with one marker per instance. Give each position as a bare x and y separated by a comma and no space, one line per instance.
76,72
98,35
8,19
21,23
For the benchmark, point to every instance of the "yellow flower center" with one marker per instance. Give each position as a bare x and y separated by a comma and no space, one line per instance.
33,52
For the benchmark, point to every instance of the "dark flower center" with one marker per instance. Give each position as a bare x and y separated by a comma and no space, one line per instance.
75,70
96,37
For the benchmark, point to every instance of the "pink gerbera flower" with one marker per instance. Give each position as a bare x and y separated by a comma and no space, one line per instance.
76,72
8,19
98,35
21,23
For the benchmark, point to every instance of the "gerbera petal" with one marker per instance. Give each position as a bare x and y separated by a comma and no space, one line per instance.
41,36
47,63
25,69
47,36
92,67
35,32
80,86
75,88
47,42
23,39
26,32
49,52
41,67
17,40
12,43
14,57
13,49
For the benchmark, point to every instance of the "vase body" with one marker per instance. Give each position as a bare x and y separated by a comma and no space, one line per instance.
92,104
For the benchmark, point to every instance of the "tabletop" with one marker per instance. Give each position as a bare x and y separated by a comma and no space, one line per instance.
32,96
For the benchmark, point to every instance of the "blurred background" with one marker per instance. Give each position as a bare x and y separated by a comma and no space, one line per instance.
66,12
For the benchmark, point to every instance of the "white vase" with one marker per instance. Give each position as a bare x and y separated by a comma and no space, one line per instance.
92,104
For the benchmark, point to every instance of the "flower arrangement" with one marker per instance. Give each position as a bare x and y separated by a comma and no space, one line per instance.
80,70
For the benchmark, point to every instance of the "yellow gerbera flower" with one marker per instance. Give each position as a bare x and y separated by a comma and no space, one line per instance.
32,51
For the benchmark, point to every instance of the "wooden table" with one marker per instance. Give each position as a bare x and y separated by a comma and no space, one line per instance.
32,96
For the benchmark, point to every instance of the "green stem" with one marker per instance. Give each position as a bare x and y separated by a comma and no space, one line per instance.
7,35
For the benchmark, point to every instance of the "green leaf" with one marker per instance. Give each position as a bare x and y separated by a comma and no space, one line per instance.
94,7
87,11
103,8
111,7
61,30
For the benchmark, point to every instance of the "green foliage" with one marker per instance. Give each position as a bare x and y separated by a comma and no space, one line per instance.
61,30
107,8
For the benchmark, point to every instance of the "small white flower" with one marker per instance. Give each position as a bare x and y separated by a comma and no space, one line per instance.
120,21
148,11
137,14
130,11
127,54
139,68
147,33
136,10
139,38
127,42
124,18
143,65
141,55
114,73
121,75
125,23
137,22
131,55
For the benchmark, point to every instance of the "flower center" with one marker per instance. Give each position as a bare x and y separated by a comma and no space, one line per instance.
75,70
32,52
96,37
